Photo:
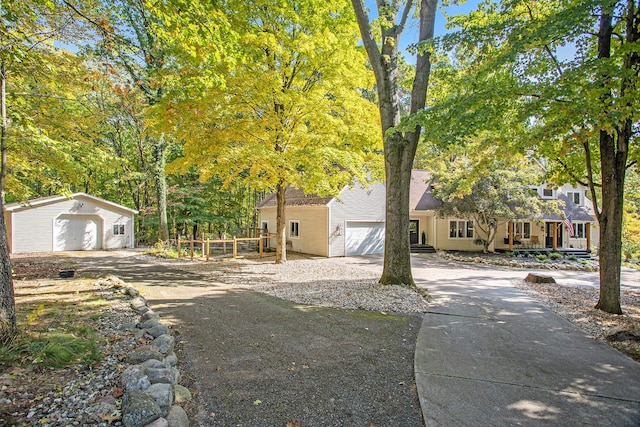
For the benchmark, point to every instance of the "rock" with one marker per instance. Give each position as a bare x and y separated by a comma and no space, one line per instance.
131,292
139,409
182,394
171,359
156,331
144,353
165,343
539,278
620,334
160,375
153,364
160,422
177,417
134,378
137,303
163,395
149,314
148,324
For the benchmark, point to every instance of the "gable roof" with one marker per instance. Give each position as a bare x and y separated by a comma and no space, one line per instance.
571,209
420,196
41,201
295,197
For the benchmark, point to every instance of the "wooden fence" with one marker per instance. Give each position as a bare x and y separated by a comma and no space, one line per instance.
205,245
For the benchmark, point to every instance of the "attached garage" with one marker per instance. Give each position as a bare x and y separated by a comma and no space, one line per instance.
80,222
364,238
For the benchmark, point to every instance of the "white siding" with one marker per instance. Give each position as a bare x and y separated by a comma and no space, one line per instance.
32,228
354,204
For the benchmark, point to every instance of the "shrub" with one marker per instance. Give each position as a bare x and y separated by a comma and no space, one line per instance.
542,258
555,255
572,257
511,254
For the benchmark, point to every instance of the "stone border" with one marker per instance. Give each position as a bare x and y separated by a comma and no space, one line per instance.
517,264
152,393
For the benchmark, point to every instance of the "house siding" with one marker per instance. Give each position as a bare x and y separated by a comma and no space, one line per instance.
313,232
356,204
32,227
444,242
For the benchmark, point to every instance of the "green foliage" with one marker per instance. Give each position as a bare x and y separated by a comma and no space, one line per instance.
542,258
490,192
572,257
556,256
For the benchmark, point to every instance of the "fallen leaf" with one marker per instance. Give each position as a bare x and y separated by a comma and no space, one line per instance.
294,423
117,392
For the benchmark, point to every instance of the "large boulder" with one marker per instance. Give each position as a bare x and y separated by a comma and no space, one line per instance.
139,409
539,278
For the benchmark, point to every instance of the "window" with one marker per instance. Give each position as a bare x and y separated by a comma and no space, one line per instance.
294,228
547,193
118,229
264,226
522,229
574,196
579,231
461,229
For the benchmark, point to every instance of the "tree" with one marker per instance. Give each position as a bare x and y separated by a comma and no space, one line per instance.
499,193
399,147
572,66
291,111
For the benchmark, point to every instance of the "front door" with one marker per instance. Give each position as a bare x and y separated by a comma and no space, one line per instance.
413,231
549,234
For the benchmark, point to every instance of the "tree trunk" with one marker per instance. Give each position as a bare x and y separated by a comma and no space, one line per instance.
613,172
397,250
8,327
281,229
159,148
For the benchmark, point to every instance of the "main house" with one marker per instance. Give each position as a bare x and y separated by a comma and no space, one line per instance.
353,222
61,223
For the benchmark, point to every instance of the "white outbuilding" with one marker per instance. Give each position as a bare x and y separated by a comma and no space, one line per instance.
79,222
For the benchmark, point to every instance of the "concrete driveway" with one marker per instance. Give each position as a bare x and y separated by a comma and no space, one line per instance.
489,355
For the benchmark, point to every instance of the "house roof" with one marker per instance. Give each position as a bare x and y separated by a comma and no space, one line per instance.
571,209
41,201
295,197
420,196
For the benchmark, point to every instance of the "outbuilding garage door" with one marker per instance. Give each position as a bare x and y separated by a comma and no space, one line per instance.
364,238
77,233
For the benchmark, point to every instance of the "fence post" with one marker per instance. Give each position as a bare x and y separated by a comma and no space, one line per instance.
178,247
202,246
235,247
260,244
191,247
208,249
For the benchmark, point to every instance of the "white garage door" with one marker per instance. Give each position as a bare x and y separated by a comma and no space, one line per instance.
363,238
76,233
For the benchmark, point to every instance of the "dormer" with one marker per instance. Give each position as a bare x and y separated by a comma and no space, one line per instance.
546,192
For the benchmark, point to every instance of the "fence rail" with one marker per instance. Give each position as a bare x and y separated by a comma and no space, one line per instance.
206,244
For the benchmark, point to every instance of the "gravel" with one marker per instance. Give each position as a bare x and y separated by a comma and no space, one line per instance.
317,282
82,393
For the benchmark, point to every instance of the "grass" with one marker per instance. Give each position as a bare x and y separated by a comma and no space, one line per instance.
55,328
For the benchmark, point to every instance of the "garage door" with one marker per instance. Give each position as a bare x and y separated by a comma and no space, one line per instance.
76,233
364,238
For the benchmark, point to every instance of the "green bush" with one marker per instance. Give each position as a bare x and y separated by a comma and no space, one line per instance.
556,255
572,257
542,258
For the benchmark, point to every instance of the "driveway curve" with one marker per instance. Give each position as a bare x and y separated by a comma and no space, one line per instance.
262,361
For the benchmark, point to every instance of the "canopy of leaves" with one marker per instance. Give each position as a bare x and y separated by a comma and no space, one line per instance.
292,109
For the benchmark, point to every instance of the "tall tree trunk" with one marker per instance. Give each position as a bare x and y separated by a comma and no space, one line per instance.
399,149
281,229
8,327
159,149
614,152
613,173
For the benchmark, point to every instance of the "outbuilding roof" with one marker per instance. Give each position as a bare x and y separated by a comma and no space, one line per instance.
41,201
